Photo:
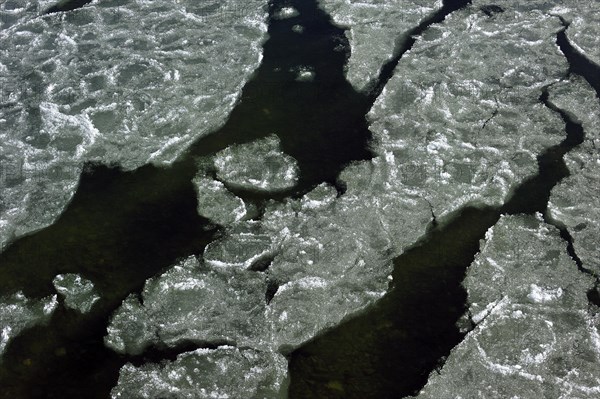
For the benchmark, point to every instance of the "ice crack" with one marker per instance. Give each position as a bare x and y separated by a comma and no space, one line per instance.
387,71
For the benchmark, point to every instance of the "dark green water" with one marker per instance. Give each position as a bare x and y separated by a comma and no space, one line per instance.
124,227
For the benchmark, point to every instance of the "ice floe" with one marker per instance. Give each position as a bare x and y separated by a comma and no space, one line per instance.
117,83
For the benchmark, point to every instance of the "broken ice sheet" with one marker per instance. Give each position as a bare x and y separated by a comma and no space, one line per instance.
375,30
575,201
461,121
225,372
131,329
448,134
17,313
331,257
535,336
79,293
260,165
90,85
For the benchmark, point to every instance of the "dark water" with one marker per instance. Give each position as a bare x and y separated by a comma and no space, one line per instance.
124,227
66,5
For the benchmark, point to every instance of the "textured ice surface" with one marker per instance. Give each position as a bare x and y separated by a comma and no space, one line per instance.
535,336
259,165
132,328
216,203
79,293
274,284
193,304
576,97
461,121
243,245
581,15
225,372
115,82
575,201
375,29
286,12
17,313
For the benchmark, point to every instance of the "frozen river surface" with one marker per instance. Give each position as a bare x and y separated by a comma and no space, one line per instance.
473,106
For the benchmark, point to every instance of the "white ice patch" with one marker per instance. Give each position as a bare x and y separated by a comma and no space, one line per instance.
543,294
305,74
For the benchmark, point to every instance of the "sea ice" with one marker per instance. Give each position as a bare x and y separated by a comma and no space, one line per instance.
117,83
225,372
575,201
535,336
79,293
376,29
260,165
17,313
132,329
445,136
584,30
